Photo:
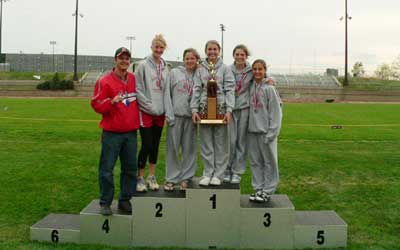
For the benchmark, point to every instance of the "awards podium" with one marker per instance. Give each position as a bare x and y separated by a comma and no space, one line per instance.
202,218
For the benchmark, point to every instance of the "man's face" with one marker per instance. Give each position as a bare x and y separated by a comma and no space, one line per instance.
122,62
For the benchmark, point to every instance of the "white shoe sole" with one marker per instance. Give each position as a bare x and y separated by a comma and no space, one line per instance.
204,182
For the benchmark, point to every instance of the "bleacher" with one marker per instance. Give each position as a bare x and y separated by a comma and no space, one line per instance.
308,80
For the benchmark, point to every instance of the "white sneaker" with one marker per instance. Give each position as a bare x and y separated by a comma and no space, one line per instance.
215,181
152,183
235,179
205,181
227,177
140,186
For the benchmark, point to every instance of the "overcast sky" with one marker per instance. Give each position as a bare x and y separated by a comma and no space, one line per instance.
290,34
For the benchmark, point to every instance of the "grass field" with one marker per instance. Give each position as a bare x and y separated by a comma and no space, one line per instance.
50,149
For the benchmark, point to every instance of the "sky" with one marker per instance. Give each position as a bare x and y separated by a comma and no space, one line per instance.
293,36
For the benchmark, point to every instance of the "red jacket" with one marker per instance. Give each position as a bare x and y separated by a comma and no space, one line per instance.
122,116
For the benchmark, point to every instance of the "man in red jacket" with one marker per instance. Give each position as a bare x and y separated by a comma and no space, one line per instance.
114,98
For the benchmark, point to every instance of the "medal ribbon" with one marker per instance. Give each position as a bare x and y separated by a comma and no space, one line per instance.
255,95
239,86
159,75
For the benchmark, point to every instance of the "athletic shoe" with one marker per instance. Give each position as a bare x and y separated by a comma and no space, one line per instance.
262,197
205,181
152,183
227,177
215,181
125,207
141,186
235,179
253,196
105,210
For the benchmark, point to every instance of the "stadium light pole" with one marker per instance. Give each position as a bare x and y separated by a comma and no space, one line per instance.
130,39
76,41
346,49
1,23
222,39
53,43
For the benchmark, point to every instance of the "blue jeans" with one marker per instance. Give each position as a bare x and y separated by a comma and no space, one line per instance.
113,145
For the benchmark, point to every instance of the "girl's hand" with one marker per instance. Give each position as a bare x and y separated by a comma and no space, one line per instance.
196,118
270,81
228,117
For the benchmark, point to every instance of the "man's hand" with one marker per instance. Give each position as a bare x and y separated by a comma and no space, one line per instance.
195,117
228,117
117,99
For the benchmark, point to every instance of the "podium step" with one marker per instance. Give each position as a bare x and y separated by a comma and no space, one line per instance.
319,229
113,230
57,228
267,225
159,219
212,216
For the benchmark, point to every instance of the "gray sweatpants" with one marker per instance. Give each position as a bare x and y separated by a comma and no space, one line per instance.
238,137
263,162
214,149
183,135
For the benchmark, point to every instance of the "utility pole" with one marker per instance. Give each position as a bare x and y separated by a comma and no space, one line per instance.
76,41
346,50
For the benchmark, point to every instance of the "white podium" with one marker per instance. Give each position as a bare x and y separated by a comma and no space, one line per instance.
265,225
159,219
57,228
212,216
319,229
115,229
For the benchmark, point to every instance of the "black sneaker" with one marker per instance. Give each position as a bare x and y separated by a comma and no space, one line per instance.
105,210
253,196
262,197
125,207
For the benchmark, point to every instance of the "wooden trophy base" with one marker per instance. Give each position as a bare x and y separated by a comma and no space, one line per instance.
212,117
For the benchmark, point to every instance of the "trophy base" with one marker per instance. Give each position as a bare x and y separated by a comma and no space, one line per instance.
212,121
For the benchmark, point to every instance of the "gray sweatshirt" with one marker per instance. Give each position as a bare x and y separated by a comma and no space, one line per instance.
265,114
225,92
150,84
178,94
242,86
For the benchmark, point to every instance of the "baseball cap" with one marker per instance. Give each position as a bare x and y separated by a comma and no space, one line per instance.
121,51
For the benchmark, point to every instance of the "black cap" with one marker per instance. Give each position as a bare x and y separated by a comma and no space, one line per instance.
121,51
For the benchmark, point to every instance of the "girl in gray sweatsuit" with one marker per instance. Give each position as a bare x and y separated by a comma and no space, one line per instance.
265,118
214,144
182,132
151,78
240,118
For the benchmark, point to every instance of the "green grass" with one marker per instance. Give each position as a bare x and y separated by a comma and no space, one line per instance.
370,83
50,150
45,76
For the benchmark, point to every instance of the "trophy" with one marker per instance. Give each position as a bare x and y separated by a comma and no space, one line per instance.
211,113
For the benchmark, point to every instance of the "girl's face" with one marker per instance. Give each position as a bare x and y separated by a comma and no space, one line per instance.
259,71
190,61
240,56
212,52
158,49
